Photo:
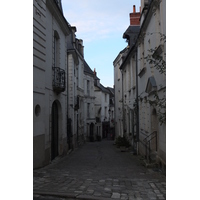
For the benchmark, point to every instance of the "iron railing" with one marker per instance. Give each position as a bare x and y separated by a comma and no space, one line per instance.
58,79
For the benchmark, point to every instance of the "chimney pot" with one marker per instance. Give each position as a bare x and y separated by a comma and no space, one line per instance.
134,17
134,9
95,73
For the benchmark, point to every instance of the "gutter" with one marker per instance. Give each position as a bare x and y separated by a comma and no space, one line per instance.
122,103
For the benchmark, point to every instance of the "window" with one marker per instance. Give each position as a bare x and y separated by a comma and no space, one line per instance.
88,87
56,49
88,110
105,112
37,110
105,97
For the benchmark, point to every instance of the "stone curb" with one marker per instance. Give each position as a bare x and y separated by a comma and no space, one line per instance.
69,195
57,194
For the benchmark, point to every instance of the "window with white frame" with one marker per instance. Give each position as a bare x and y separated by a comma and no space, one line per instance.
88,87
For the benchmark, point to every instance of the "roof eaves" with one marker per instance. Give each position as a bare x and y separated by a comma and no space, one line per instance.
138,36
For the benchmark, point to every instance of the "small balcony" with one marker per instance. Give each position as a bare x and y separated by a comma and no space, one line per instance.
58,79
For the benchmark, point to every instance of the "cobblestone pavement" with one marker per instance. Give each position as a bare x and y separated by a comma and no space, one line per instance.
99,170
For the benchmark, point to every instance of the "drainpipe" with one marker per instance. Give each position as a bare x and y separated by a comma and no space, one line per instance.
68,137
122,102
77,128
137,106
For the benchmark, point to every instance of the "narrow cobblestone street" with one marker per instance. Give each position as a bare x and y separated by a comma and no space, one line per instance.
99,170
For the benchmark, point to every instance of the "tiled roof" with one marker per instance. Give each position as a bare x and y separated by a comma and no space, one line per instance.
87,69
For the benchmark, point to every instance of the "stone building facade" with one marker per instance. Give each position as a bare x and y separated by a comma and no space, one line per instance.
50,30
89,103
143,81
75,86
102,105
64,97
125,82
152,81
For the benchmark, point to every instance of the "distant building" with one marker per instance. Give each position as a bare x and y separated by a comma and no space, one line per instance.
102,98
89,103
75,87
111,112
63,85
125,82
118,94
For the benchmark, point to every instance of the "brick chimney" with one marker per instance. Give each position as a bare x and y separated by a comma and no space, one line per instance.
95,73
134,18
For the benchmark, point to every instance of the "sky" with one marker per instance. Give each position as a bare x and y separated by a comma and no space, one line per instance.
100,24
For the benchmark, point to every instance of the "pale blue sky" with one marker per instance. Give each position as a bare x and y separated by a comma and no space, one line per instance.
100,24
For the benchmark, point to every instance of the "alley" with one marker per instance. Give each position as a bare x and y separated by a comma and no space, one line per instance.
99,170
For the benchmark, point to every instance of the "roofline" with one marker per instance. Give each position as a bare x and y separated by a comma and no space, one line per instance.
139,35
51,4
119,54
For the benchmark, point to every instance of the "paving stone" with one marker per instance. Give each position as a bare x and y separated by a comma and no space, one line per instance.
115,195
90,191
105,194
86,197
116,176
124,196
157,191
161,198
132,198
98,194
78,192
159,195
107,190
116,190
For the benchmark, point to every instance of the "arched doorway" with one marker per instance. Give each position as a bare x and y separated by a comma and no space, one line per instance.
54,130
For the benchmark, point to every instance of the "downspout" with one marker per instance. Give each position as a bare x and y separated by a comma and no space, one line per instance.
137,106
122,102
68,120
77,129
115,116
68,123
